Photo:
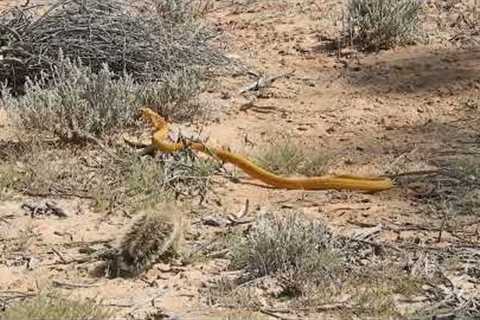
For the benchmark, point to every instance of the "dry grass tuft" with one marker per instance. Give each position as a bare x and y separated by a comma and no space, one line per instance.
288,158
126,182
55,307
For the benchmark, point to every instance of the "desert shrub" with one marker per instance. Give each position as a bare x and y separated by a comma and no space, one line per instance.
55,307
139,183
147,39
178,10
305,265
382,24
298,252
74,100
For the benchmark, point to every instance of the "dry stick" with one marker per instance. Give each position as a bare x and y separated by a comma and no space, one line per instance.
4,220
59,194
264,82
58,254
147,149
89,137
117,305
85,243
66,285
136,144
442,226
274,315
415,173
56,210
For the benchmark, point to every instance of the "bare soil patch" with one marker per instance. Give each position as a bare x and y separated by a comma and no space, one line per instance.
410,113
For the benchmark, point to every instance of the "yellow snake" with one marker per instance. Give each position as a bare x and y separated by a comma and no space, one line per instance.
340,182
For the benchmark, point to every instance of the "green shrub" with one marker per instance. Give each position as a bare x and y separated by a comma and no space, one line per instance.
383,24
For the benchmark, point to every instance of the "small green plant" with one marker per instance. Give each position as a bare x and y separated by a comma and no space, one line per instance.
287,157
383,24
55,307
375,301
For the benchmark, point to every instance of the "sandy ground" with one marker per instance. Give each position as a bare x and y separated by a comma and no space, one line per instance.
376,114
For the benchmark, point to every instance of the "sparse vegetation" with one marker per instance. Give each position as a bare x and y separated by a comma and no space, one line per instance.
126,182
149,40
288,258
287,157
79,71
226,291
82,78
55,307
294,239
74,101
383,24
300,253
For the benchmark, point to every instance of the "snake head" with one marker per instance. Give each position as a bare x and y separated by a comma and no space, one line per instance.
153,118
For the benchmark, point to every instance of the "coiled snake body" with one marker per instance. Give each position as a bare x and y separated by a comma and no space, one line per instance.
340,182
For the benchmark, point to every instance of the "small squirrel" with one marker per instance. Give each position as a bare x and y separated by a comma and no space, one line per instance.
153,236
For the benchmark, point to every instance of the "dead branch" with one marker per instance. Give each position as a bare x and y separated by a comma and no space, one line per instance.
264,82
140,38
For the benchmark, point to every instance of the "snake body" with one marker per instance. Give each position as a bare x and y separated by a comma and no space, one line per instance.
337,182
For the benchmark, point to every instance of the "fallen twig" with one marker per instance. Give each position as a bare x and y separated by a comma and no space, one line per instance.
2,219
66,285
274,315
264,82
58,254
415,173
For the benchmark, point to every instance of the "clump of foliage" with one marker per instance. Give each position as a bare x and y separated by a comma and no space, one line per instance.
75,101
299,261
287,157
383,24
299,252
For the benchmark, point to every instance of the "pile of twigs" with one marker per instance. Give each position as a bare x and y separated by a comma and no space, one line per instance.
147,44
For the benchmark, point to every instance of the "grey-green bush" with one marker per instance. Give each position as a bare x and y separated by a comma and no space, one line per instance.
296,251
383,24
74,99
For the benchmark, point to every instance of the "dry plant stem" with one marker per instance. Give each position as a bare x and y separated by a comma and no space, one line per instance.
340,182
